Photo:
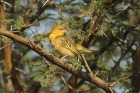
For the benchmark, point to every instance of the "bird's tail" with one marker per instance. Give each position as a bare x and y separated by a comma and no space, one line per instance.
84,50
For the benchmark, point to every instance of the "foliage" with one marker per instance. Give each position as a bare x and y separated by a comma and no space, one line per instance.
19,23
116,38
38,38
44,73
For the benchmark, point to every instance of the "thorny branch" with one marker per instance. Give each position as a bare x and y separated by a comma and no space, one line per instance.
120,80
118,62
38,13
91,78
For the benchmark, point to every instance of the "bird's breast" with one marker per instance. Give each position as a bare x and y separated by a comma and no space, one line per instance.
58,45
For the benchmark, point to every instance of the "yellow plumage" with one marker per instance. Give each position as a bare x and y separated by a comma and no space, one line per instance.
65,45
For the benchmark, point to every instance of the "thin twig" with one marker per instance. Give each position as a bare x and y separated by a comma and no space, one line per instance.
111,90
85,90
96,72
6,45
45,3
116,65
20,70
123,9
6,3
86,64
128,47
38,13
67,83
60,12
119,80
2,61
120,59
46,61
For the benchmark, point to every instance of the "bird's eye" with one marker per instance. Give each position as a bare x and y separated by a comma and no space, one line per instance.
60,29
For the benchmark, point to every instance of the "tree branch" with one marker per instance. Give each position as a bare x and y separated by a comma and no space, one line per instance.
8,55
37,14
50,57
136,69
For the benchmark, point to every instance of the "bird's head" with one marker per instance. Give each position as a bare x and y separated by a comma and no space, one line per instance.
59,29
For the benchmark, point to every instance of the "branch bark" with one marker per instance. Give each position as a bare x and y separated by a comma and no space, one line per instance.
136,71
8,55
37,14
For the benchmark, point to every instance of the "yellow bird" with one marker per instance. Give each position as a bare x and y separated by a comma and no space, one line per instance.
65,45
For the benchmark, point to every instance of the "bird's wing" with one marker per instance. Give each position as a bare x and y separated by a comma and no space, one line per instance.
70,45
84,50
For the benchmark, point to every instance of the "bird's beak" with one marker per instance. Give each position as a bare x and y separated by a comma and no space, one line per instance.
64,31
